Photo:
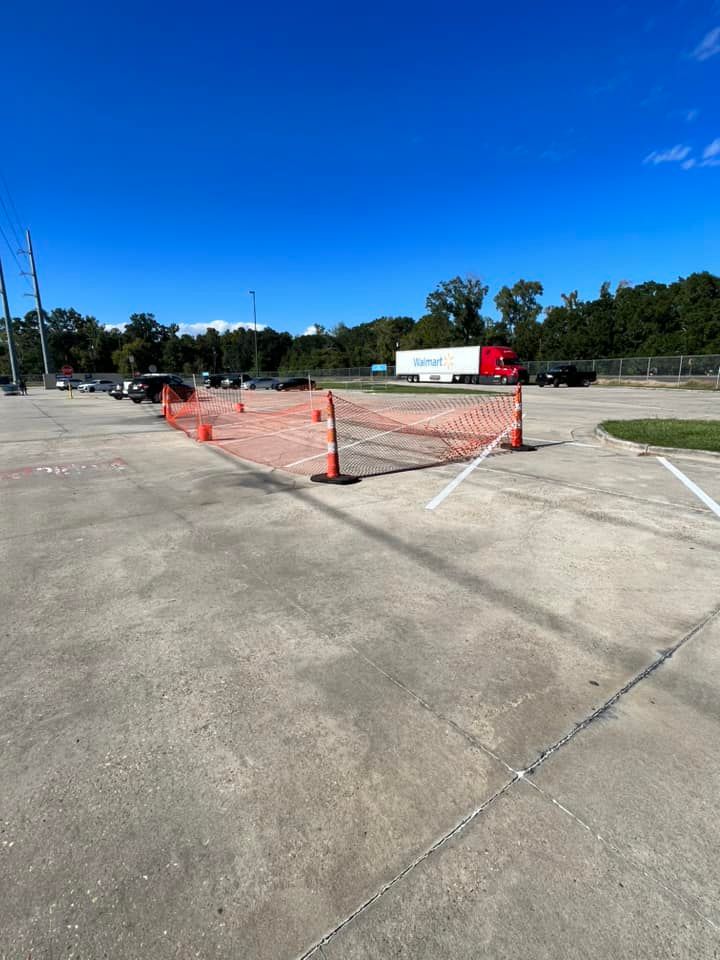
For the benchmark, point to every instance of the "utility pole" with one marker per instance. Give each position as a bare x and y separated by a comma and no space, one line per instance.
8,328
257,369
38,302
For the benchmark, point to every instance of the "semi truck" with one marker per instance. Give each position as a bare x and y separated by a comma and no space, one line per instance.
460,365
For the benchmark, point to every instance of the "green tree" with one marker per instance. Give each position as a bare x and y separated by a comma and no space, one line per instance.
432,330
519,311
144,356
27,343
697,304
172,351
459,302
497,333
144,326
317,351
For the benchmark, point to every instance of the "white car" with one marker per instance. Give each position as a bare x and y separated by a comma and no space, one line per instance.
97,386
62,383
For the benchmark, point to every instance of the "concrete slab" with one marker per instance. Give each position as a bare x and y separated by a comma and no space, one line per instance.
226,689
645,776
188,765
524,879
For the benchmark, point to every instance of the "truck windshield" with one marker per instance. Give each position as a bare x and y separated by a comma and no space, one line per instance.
509,361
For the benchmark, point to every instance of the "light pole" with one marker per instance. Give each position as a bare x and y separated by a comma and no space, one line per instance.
252,294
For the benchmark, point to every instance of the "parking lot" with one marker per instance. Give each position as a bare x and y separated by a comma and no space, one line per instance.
246,716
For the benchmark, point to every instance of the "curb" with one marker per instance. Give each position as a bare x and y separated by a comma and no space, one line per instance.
647,449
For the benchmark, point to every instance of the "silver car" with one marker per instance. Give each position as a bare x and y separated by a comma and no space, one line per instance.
97,386
261,383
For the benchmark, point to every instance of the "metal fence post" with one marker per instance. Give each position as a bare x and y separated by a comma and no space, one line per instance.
680,369
647,375
620,370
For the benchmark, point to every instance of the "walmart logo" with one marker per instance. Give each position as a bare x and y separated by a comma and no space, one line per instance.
448,361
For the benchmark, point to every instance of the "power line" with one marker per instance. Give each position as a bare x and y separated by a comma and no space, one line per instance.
14,227
12,252
10,222
18,221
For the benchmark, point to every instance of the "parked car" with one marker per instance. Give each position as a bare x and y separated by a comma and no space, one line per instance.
568,374
260,383
149,387
9,389
294,383
63,383
97,386
119,391
234,380
213,380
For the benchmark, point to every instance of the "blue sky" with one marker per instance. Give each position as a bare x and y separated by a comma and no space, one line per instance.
342,160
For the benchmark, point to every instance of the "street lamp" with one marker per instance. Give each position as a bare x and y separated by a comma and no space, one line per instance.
257,369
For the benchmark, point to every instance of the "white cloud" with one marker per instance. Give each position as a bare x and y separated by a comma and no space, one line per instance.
115,326
708,46
309,331
712,150
681,154
675,154
222,326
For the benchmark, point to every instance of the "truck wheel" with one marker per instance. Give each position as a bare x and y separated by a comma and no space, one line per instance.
556,383
503,380
586,382
541,383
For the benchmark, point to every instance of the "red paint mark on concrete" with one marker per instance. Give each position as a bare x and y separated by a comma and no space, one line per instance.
63,469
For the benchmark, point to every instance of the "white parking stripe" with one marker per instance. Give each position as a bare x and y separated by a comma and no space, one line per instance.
436,501
692,487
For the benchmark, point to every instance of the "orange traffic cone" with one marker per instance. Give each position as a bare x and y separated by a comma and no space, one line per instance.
333,474
516,431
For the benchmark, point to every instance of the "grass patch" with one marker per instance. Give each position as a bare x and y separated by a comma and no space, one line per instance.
654,384
395,387
691,434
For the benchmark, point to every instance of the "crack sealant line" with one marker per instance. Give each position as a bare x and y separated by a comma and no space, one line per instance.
466,735
586,488
459,826
517,777
650,669
635,864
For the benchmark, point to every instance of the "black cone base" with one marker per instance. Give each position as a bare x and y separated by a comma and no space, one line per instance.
342,478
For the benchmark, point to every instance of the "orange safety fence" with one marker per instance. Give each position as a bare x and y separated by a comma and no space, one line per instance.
376,433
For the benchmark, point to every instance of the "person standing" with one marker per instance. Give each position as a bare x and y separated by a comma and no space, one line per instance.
23,387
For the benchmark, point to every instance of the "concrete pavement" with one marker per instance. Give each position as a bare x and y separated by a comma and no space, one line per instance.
238,709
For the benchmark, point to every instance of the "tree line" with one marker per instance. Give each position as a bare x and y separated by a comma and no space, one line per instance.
633,320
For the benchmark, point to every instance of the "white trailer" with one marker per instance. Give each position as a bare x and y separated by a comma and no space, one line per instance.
460,365
442,365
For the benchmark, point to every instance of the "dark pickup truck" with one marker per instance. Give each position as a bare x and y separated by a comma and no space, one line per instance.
566,373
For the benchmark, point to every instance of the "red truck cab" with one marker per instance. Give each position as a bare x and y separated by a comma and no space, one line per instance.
502,364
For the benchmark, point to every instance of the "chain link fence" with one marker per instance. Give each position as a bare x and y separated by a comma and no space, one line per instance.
703,367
